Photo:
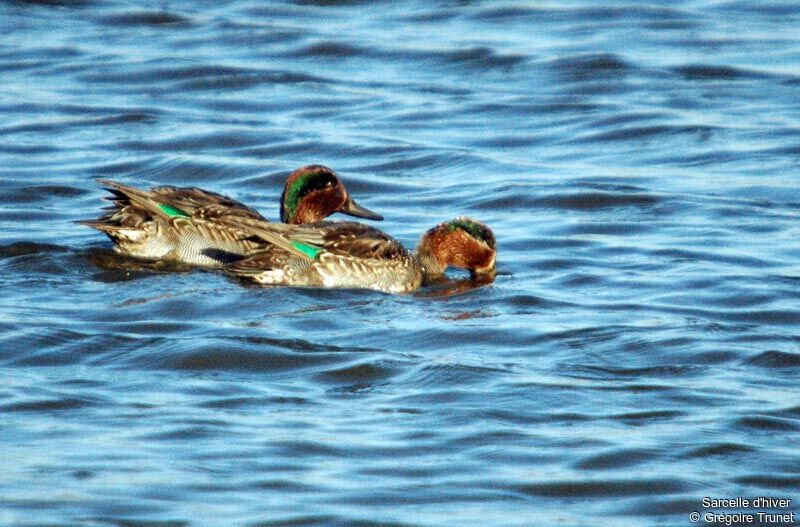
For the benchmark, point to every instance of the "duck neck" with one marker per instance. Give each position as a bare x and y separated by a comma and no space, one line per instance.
425,255
430,267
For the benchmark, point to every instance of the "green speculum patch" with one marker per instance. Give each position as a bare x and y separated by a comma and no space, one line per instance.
309,250
172,212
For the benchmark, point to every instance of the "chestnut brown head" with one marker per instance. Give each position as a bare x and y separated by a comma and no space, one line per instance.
314,192
463,243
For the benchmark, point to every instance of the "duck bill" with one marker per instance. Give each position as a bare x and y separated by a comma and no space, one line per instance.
486,274
354,209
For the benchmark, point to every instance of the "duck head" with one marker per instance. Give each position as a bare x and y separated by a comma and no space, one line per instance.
314,192
463,243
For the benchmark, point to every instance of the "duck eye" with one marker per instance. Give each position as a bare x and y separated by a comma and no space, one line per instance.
321,181
315,181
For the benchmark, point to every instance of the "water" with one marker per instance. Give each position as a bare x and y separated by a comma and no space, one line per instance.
639,351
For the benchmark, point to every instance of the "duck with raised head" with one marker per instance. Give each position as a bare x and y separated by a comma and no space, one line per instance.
354,255
188,224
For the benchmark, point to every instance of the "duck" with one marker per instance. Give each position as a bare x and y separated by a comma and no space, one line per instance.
187,224
354,255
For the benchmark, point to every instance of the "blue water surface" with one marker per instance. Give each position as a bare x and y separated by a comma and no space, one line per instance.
639,350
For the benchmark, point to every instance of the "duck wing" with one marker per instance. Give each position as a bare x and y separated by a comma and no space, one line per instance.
311,241
359,241
172,202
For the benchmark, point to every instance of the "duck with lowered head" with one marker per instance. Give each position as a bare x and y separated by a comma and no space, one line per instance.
354,255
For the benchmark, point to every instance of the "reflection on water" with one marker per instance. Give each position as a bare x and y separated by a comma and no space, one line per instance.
108,260
449,287
637,352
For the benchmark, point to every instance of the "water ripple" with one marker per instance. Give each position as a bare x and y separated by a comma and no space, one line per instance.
598,488
129,19
637,164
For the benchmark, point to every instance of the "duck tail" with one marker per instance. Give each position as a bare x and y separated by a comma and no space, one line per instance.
123,194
